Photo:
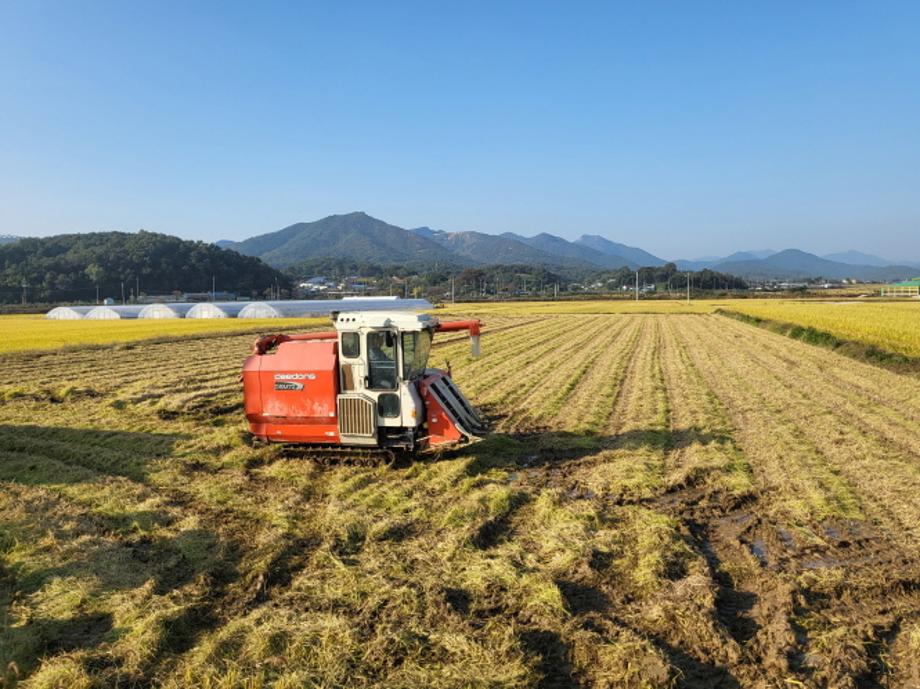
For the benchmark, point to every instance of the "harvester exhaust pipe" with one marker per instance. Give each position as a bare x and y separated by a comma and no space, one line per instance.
471,325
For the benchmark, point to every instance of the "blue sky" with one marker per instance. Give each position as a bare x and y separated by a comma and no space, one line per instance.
685,128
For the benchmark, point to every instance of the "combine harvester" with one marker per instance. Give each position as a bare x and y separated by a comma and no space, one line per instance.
361,393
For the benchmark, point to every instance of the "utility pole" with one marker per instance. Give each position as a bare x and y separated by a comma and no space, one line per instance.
451,289
137,291
637,285
688,287
97,292
213,288
123,292
25,287
556,291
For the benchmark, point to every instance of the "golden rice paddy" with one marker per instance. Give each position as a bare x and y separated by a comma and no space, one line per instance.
667,499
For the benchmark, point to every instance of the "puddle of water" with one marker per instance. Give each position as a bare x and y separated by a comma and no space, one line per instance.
786,538
580,494
530,459
759,550
737,520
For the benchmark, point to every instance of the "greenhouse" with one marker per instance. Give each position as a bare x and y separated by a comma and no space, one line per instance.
111,313
306,308
68,313
908,288
311,308
165,311
216,309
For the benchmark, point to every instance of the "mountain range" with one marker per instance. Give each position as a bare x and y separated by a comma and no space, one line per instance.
360,237
794,264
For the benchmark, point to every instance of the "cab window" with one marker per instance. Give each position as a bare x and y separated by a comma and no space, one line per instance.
381,359
351,345
416,347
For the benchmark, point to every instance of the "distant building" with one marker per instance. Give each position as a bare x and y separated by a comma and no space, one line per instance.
908,288
318,283
159,298
209,296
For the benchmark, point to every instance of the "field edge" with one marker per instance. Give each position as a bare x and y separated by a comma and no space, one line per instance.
861,351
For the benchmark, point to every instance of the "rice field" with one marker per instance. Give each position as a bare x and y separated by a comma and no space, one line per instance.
891,326
667,500
35,332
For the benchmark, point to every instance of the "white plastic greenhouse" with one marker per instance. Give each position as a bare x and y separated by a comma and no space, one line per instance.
111,313
68,313
309,308
306,308
165,311
216,309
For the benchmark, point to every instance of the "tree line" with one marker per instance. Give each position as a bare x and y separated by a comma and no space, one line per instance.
75,267
439,281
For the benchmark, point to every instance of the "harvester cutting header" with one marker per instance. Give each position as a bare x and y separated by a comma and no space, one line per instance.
361,390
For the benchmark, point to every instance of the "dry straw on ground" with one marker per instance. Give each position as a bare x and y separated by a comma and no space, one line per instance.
668,500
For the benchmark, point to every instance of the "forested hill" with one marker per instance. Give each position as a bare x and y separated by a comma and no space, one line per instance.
69,266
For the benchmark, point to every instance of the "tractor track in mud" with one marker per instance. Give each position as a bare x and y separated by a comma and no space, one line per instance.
769,580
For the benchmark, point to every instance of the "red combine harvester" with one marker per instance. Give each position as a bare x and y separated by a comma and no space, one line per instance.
362,392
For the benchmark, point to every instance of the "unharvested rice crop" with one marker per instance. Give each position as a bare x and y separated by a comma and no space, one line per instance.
891,326
28,332
667,500
599,306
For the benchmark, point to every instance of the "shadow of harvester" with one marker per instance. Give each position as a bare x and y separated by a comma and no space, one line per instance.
124,543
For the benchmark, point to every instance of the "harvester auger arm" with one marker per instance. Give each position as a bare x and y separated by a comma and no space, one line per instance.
473,325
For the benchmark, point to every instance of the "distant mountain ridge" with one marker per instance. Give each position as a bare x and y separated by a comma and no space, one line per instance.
355,236
360,237
712,261
564,249
858,258
482,248
632,254
793,264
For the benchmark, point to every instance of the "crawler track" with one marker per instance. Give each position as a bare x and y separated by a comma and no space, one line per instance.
332,455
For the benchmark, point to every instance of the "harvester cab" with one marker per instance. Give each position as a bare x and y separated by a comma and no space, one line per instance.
365,385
